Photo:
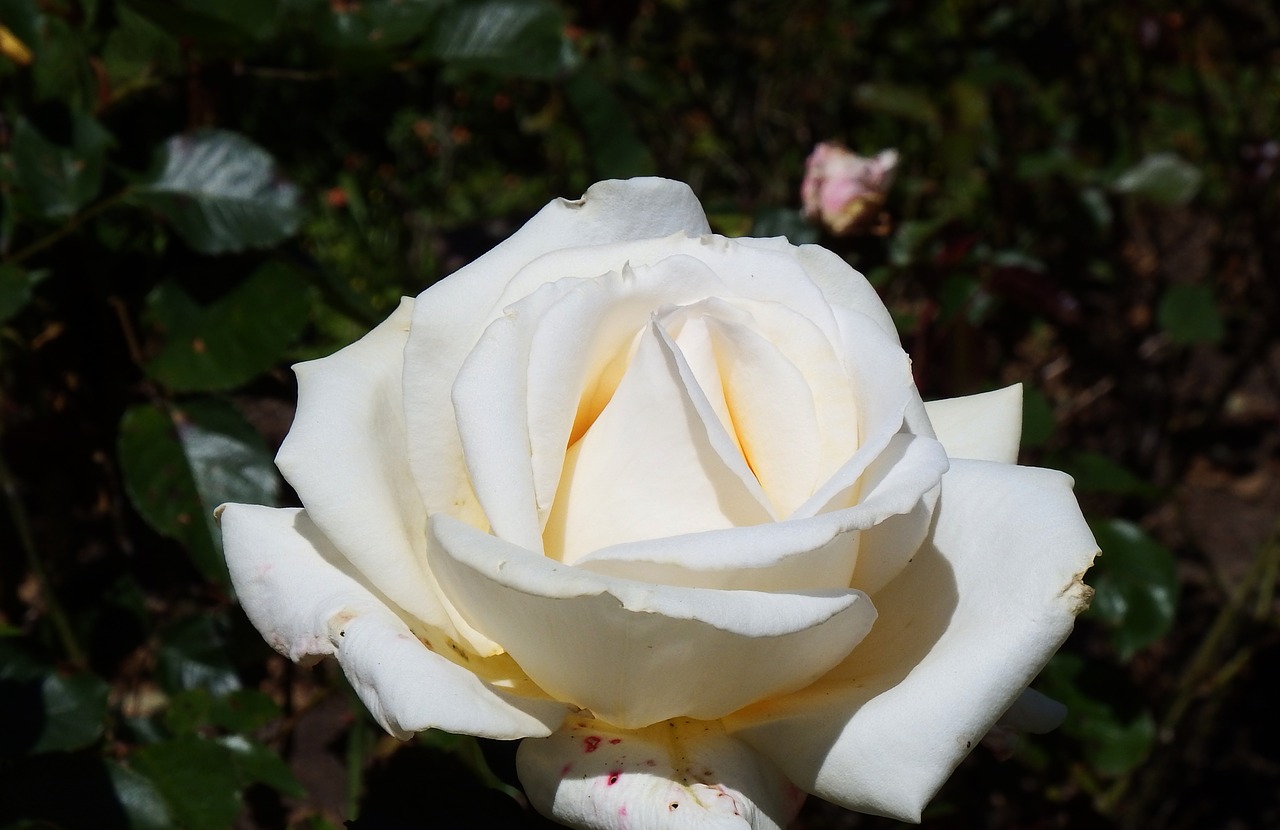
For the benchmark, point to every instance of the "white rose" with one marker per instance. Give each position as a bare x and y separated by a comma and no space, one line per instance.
667,506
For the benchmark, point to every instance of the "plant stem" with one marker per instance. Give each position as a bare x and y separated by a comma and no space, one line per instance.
72,225
359,741
1208,673
18,515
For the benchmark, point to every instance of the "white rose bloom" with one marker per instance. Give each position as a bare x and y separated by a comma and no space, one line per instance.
668,507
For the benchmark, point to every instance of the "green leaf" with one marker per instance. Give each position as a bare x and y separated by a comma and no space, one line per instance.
221,192
60,180
523,38
898,102
1096,205
75,707
1113,742
318,823
158,480
193,655
141,800
62,72
1135,584
377,25
15,291
1164,179
74,790
177,470
202,779
246,710
1095,473
907,244
232,340
1037,418
957,292
228,458
786,222
188,711
196,778
56,711
242,711
616,150
211,22
1189,314
257,764
137,48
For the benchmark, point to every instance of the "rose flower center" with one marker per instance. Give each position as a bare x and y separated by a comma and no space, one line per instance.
701,422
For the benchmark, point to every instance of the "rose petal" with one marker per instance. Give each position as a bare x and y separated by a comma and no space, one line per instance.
799,554
745,270
963,630
1034,712
572,331
295,588
841,285
888,545
774,415
580,340
676,774
453,313
634,653
884,391
562,341
986,427
656,462
345,458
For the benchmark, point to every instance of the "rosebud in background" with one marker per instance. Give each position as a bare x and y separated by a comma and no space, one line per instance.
842,190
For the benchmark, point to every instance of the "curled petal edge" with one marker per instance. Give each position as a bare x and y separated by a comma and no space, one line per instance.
297,590
636,653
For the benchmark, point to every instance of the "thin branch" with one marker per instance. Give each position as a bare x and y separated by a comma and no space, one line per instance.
72,225
18,515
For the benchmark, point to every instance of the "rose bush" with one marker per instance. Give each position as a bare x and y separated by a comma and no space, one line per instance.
668,507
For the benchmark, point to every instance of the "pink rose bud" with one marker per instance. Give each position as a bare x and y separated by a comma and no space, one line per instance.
844,191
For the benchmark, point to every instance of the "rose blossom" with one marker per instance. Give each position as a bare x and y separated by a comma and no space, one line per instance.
668,507
843,191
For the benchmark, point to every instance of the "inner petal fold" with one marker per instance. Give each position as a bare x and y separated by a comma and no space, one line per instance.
656,462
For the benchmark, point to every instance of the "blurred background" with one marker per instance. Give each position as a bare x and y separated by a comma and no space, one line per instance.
198,193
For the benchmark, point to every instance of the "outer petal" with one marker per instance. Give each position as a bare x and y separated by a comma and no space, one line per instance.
345,456
677,774
296,591
452,313
840,283
963,630
634,653
986,427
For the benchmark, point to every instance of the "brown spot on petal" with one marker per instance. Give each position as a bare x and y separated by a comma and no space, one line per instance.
1078,593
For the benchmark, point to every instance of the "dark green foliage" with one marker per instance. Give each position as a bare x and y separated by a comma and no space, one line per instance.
195,194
